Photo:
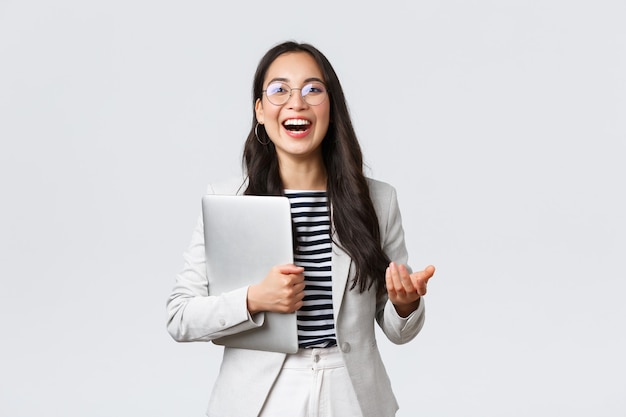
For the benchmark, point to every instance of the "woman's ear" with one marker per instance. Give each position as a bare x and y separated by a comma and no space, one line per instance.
258,109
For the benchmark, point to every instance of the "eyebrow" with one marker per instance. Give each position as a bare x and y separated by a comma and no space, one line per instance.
285,80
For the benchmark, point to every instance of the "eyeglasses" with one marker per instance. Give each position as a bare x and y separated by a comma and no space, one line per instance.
313,93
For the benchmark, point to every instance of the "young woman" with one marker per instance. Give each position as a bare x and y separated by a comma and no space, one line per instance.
349,267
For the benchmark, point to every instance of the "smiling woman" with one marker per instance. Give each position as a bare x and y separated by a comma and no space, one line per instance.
296,123
349,265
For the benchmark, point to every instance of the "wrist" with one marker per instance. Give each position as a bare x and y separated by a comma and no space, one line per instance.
404,310
251,305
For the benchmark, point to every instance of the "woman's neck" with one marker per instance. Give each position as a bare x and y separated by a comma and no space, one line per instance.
298,176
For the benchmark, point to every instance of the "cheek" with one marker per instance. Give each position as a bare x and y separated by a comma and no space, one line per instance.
270,114
323,117
266,113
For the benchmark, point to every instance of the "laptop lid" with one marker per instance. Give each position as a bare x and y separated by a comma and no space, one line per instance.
245,236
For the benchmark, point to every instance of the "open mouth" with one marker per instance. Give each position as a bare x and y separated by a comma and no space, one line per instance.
296,125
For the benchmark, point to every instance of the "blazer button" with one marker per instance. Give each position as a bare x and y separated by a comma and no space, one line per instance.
345,347
222,322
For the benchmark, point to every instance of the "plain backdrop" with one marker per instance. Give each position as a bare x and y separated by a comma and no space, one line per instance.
501,124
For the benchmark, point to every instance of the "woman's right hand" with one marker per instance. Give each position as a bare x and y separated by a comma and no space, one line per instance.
281,291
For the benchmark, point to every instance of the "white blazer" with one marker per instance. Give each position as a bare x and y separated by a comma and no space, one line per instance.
246,376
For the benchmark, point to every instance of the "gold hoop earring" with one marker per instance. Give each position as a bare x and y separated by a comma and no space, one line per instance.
256,134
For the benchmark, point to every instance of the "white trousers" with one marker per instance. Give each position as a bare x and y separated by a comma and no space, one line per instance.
313,383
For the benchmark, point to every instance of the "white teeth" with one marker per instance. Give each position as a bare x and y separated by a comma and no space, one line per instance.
296,122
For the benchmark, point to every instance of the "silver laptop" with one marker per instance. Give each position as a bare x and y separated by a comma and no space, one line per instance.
245,236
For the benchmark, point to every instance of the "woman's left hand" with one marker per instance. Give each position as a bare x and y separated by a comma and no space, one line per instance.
405,289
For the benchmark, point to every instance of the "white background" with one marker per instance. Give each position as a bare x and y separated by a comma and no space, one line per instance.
501,123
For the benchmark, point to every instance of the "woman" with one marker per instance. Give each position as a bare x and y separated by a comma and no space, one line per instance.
349,267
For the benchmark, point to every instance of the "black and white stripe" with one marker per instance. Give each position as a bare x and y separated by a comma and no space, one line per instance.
311,219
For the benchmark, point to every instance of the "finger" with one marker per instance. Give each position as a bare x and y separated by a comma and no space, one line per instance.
429,271
389,282
290,269
420,279
424,275
292,280
299,288
392,282
405,279
396,281
295,293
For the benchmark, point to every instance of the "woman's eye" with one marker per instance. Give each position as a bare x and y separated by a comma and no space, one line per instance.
276,89
312,89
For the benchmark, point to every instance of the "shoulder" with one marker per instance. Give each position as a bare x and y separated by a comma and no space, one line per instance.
229,186
380,191
384,198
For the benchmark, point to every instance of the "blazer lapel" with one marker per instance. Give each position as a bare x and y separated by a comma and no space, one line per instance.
341,262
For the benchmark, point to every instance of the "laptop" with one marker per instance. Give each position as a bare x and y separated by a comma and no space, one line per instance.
244,237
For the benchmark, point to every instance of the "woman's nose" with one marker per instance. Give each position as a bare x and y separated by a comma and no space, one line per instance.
295,99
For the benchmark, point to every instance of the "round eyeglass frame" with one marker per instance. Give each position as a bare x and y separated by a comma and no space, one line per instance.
290,90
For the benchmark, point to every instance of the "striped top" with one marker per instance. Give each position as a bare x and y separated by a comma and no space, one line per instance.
311,220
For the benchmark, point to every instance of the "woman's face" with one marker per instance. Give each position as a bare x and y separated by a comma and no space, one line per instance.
296,127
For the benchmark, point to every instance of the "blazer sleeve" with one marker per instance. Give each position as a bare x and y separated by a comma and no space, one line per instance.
193,314
398,330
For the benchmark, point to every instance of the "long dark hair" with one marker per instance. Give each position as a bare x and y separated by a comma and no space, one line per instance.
353,216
